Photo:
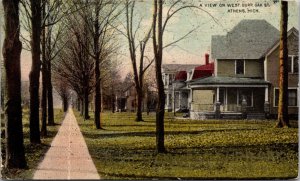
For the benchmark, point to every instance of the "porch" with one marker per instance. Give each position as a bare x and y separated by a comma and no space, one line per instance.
249,101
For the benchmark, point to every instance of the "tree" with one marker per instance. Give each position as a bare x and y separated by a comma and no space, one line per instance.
34,76
73,62
159,27
64,92
138,72
102,36
15,154
158,55
283,118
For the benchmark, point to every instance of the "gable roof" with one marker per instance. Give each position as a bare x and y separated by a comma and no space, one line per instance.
178,67
249,39
292,31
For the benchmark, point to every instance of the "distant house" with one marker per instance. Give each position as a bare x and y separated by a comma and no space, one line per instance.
169,72
243,77
130,100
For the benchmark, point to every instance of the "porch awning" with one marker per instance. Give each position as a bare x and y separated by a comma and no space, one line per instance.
228,82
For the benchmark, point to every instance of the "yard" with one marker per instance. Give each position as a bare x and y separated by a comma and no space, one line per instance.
33,153
241,149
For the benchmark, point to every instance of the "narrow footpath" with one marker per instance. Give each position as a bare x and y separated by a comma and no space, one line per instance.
68,156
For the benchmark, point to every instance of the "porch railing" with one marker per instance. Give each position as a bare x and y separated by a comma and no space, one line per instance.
211,108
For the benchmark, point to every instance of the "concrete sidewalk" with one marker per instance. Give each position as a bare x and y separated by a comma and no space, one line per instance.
68,156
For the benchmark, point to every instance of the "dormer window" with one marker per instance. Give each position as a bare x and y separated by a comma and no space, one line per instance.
293,64
240,67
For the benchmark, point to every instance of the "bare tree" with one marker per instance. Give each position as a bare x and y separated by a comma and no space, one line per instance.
283,118
34,76
159,27
74,63
15,155
102,35
158,53
138,72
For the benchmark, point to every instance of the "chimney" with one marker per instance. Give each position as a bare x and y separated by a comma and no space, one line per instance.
206,59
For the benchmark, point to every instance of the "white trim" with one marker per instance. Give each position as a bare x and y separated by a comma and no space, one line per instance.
289,88
218,96
266,69
267,94
292,64
234,67
216,67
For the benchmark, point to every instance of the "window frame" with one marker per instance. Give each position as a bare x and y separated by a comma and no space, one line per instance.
290,88
293,63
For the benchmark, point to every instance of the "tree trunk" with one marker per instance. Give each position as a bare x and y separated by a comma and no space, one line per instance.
44,80
283,119
78,104
34,75
50,90
86,104
12,47
139,105
50,98
101,96
44,102
81,107
97,98
157,45
65,104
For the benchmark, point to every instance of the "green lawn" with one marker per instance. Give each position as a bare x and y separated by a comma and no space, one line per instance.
125,149
34,153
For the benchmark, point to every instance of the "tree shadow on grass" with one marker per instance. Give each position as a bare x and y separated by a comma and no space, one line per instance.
152,133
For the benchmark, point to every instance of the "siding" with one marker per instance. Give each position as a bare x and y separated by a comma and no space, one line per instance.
273,71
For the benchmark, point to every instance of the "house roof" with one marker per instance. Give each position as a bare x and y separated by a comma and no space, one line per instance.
293,30
212,80
203,71
178,67
249,39
181,76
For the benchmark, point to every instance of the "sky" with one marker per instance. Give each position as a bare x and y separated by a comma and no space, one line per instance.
191,50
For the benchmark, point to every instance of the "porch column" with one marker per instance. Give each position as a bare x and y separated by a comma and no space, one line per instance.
168,100
179,99
218,95
217,105
267,103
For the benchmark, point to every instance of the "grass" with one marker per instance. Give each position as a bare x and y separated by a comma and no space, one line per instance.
33,153
209,149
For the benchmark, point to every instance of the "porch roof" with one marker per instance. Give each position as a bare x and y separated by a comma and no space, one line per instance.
235,81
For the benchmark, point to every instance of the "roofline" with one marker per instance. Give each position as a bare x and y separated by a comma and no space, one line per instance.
228,85
293,30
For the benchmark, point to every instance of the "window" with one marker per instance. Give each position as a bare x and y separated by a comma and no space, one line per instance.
292,97
246,94
240,67
171,78
293,64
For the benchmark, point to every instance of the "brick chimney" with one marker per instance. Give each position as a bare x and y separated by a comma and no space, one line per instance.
206,59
